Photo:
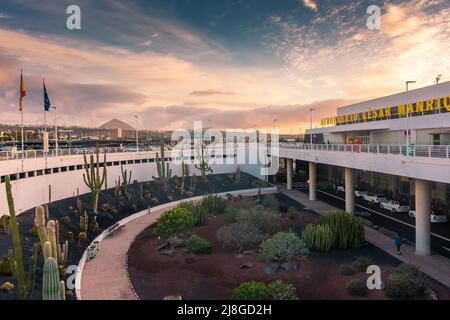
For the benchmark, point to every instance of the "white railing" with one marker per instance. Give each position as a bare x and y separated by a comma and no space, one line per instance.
31,154
442,151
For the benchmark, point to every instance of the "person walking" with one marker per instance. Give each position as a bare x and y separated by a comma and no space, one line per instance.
398,242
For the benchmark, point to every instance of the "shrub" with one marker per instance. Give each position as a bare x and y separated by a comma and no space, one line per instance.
196,244
66,220
236,213
347,270
263,219
251,291
214,204
283,246
271,201
279,290
174,221
406,282
188,194
240,235
318,237
173,242
154,201
292,213
347,229
357,288
361,263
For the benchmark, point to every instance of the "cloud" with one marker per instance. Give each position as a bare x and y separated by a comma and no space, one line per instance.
4,16
311,4
210,92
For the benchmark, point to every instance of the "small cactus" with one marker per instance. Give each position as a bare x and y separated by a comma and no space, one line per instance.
50,283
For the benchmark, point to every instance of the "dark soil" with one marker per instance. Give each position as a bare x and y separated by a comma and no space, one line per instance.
214,276
59,209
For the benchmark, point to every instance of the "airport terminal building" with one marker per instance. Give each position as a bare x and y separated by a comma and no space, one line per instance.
397,145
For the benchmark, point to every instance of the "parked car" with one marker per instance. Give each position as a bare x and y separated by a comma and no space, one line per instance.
394,206
360,193
374,198
436,217
339,187
363,213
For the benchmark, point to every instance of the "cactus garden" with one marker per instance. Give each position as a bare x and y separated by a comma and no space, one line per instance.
264,247
38,245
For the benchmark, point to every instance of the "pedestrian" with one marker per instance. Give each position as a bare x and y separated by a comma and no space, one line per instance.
398,242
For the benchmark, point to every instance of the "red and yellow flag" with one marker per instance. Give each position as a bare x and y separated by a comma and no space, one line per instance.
23,91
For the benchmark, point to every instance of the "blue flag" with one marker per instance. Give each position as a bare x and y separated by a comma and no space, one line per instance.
47,103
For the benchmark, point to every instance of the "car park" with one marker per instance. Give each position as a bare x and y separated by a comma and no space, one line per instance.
435,217
394,206
374,198
360,193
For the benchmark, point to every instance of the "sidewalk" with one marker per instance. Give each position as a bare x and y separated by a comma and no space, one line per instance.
434,266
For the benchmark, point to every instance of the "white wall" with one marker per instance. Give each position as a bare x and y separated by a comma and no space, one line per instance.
31,192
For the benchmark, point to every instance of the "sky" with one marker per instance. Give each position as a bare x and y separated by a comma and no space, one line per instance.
228,63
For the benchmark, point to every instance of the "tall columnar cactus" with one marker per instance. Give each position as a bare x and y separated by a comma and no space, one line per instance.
237,175
93,179
184,173
50,283
203,159
79,203
126,177
15,255
46,206
50,234
164,170
84,222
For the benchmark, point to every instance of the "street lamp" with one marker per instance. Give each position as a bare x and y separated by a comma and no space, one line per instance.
408,83
137,134
310,124
274,121
438,78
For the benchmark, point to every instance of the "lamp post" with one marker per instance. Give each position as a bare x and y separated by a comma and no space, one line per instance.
408,83
274,121
56,131
137,134
438,78
310,124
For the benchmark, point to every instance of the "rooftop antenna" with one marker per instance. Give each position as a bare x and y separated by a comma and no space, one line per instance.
438,78
408,83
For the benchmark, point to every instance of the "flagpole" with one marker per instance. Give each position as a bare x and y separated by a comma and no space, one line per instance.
23,151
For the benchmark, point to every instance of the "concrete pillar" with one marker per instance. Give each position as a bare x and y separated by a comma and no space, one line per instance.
423,223
312,181
349,190
289,173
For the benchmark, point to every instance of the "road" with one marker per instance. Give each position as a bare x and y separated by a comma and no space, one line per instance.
397,222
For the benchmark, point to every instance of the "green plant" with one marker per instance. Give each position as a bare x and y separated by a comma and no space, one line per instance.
318,237
193,184
263,219
5,267
69,235
283,246
33,231
79,203
237,175
196,244
94,225
189,194
240,235
93,179
174,221
361,263
203,159
52,289
173,242
5,223
84,222
198,210
184,173
66,220
251,291
259,184
357,288
164,171
15,255
406,282
347,269
126,179
214,204
154,201
347,229
271,201
279,290
7,286
81,237
292,213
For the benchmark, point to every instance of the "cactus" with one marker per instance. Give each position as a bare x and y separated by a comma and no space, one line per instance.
84,222
164,171
203,157
62,290
184,173
141,191
93,179
15,255
193,183
94,225
50,283
237,175
50,234
126,179
79,203
46,209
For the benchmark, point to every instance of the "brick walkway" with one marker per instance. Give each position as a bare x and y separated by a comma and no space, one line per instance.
435,266
106,277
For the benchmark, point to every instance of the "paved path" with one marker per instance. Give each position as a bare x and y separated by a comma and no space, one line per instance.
106,277
435,266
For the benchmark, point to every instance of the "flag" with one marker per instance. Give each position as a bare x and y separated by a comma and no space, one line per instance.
47,103
23,91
